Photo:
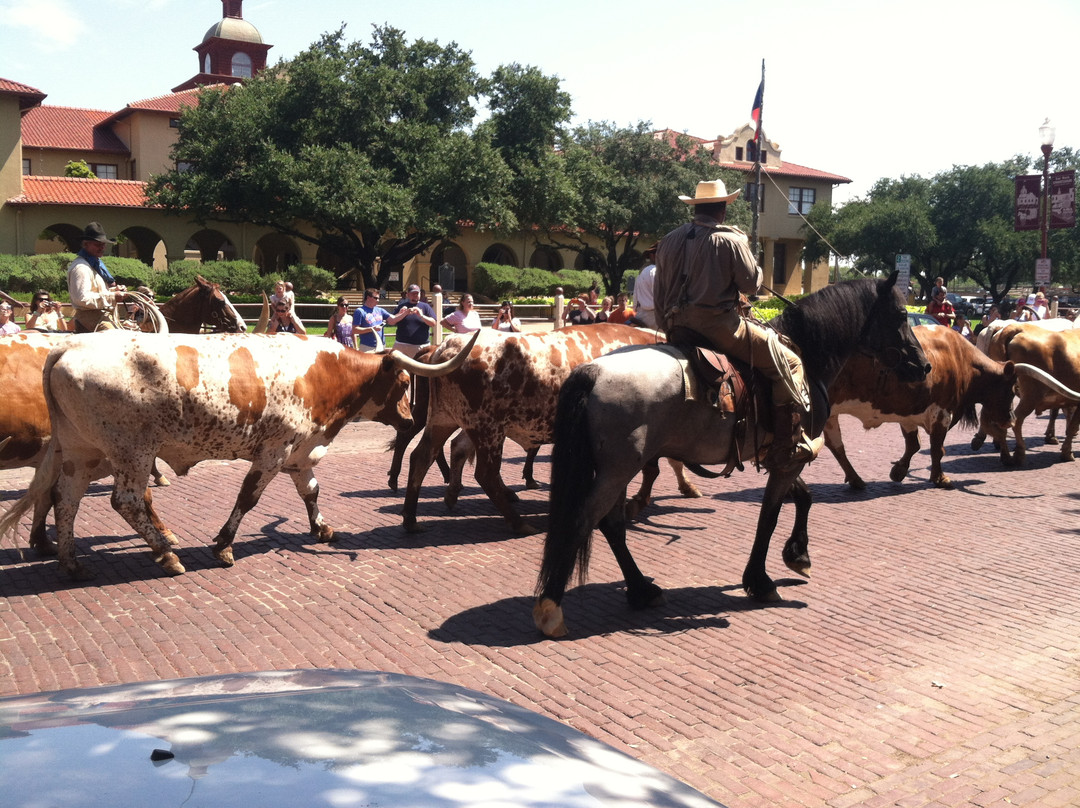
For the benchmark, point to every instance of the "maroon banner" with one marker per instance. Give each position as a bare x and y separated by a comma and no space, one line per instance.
1028,189
1063,199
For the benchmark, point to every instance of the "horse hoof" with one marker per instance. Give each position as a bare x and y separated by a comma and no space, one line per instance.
633,508
162,482
225,556
1051,440
1067,457
77,572
898,473
977,442
857,484
800,566
170,564
523,528
548,617
772,596
646,597
944,482
532,485
412,526
690,491
43,548
450,500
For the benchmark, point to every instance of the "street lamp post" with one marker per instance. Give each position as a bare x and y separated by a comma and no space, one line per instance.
1046,135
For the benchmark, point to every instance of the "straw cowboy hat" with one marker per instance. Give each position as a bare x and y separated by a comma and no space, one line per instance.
710,191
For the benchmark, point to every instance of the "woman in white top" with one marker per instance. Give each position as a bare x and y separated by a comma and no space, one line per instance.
464,318
505,320
45,313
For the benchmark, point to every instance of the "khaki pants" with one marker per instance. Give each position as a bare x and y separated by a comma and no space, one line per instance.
408,348
90,320
750,342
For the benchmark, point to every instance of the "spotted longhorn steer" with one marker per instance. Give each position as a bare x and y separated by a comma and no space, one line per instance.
507,388
276,401
961,377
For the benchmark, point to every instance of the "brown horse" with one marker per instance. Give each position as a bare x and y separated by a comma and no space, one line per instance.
201,305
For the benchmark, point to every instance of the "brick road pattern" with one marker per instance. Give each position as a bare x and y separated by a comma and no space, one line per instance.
932,660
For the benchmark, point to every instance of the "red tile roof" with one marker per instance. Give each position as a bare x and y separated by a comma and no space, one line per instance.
48,127
171,103
786,169
79,191
28,96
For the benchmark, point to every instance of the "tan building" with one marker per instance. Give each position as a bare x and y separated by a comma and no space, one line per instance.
42,211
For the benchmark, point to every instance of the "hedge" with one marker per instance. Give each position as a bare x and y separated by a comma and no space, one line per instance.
493,282
25,274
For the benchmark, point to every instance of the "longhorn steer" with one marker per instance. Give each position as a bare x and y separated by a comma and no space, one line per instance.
961,377
507,388
1049,363
276,401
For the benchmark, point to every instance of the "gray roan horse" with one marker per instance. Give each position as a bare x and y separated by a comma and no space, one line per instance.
627,408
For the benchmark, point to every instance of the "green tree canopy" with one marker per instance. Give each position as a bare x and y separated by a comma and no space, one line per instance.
624,185
362,149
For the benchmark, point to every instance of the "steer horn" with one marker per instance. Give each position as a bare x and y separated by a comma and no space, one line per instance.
264,317
1040,375
434,371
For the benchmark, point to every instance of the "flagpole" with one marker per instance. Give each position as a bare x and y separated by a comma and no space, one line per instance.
754,243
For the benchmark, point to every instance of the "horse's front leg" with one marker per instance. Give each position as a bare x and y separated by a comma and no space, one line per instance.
797,548
756,580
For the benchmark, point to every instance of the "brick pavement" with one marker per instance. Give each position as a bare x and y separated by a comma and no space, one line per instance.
931,661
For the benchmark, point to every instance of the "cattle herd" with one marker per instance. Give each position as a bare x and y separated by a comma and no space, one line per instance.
278,402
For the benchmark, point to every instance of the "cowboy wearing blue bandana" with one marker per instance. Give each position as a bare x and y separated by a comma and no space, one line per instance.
92,288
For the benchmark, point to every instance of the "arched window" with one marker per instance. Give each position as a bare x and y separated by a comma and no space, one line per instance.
241,66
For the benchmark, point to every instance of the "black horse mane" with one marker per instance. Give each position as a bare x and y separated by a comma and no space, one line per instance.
830,322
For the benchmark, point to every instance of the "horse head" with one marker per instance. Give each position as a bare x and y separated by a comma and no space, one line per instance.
887,334
217,310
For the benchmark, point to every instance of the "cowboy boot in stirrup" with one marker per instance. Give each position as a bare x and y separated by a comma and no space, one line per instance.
791,446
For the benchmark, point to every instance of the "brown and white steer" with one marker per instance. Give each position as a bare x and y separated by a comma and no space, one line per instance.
276,401
508,388
961,377
1056,354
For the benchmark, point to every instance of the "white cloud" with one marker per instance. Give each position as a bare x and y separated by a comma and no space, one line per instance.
52,25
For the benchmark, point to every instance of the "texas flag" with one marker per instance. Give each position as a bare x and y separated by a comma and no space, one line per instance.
755,113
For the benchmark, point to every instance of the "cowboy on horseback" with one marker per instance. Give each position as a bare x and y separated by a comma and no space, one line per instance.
92,288
701,267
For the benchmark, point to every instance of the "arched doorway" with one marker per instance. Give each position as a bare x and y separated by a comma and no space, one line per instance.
590,259
500,254
275,253
546,258
141,243
449,268
58,237
332,262
210,245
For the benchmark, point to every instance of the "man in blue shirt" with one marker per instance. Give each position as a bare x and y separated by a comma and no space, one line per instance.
368,320
414,320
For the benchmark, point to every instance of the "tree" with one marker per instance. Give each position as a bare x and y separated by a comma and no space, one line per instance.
625,185
362,149
79,168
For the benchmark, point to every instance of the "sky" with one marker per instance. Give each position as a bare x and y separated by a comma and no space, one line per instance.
867,90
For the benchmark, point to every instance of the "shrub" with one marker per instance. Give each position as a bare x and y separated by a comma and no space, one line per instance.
533,282
494,281
577,281
309,281
235,277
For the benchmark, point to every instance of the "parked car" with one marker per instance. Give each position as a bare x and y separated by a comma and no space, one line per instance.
309,738
960,304
921,318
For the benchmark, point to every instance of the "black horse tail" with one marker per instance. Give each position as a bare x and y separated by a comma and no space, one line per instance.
573,469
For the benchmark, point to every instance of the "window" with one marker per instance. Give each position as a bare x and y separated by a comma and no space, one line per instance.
751,151
738,154
800,200
26,166
104,171
241,66
174,123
